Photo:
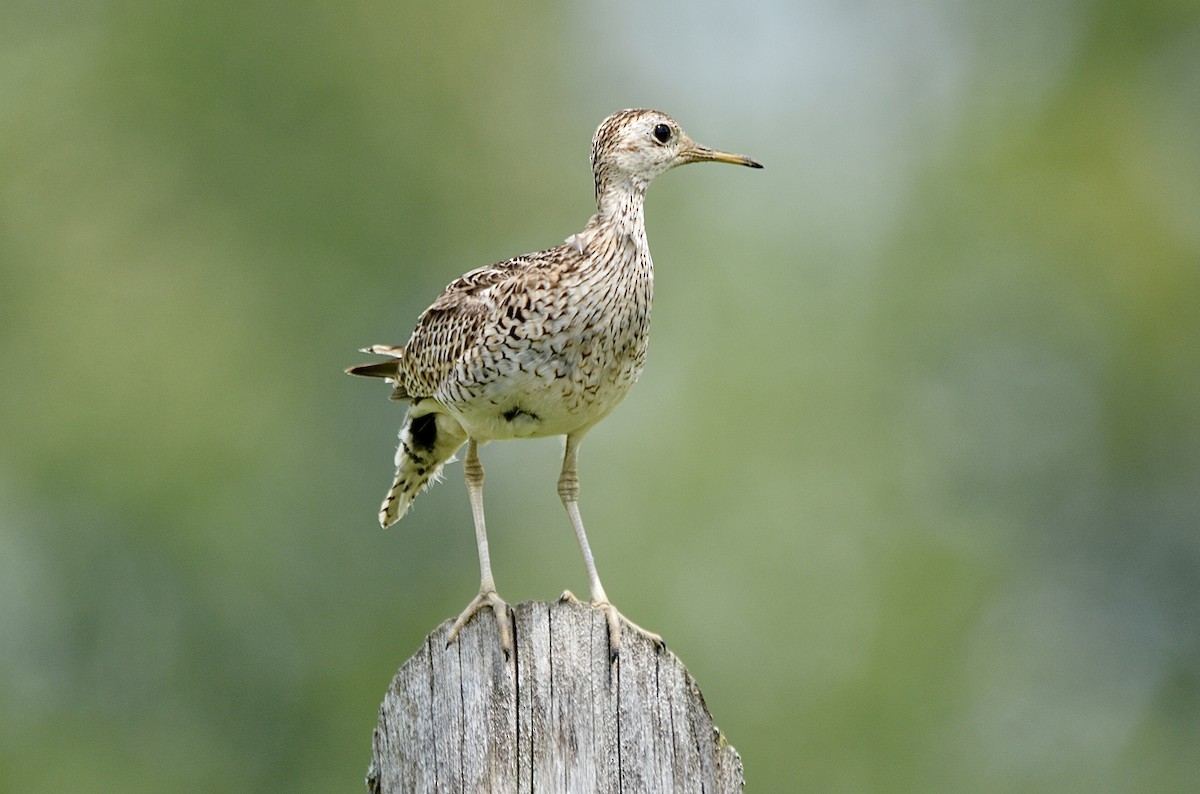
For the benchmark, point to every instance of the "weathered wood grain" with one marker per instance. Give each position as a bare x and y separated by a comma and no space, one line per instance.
558,717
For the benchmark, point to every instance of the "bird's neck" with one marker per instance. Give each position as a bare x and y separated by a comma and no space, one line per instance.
619,211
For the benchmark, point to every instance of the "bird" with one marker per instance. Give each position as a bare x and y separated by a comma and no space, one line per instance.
543,344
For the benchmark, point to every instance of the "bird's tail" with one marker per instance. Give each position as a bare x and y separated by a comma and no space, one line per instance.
389,370
428,441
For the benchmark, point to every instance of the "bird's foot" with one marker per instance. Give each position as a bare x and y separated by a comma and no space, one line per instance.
487,599
615,619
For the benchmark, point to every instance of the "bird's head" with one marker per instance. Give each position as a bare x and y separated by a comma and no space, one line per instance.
632,147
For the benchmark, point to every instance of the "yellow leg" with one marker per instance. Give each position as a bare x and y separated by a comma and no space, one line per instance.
568,491
487,597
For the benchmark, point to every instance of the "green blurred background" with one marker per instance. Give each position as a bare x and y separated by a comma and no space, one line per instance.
911,482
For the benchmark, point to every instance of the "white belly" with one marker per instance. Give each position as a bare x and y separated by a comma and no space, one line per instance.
551,399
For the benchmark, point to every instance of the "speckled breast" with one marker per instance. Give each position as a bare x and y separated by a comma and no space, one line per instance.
557,359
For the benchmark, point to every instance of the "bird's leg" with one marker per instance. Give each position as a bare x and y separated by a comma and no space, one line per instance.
487,587
568,491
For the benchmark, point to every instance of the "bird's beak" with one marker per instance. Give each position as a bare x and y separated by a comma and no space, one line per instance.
695,153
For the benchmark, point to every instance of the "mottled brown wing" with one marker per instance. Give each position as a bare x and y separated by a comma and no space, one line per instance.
480,279
455,324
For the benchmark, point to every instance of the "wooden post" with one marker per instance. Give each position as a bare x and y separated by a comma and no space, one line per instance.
557,718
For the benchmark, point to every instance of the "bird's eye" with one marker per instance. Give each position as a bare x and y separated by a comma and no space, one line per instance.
662,133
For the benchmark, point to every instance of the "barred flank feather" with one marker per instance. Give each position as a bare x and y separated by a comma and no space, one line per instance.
428,441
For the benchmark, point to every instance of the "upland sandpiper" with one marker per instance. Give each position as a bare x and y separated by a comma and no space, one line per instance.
544,344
